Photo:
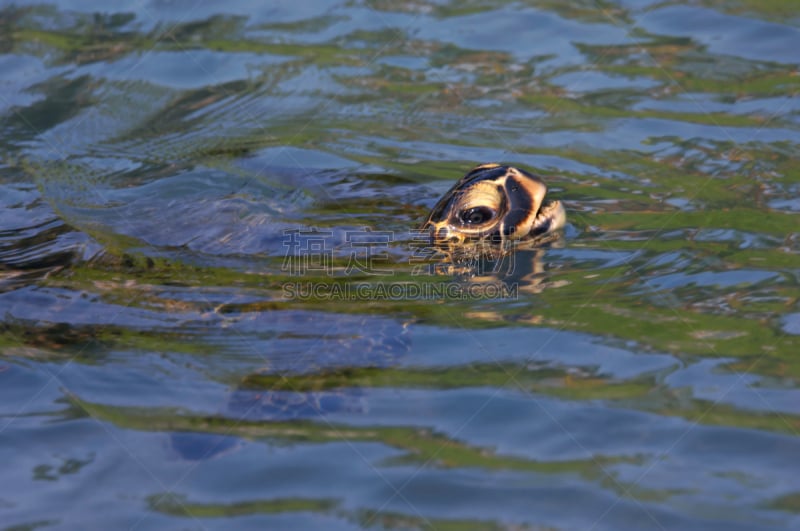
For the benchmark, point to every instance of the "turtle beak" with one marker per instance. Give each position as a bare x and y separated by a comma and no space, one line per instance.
442,233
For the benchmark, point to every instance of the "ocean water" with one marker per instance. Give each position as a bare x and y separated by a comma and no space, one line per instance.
213,314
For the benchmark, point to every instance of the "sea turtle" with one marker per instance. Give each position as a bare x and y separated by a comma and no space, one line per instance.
313,366
492,204
498,205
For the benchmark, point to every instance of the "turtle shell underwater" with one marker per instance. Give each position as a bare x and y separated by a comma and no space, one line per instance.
495,204
492,204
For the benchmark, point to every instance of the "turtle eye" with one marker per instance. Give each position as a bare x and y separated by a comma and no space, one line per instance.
476,215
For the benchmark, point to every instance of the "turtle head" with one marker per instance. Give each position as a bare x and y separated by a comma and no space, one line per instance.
497,204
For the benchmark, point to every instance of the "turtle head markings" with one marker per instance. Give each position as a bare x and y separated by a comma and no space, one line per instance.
496,204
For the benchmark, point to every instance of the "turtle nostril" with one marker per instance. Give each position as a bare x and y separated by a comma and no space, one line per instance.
442,234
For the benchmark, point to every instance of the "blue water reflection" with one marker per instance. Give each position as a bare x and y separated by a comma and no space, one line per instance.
166,364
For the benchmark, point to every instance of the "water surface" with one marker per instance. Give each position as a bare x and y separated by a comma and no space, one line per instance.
163,364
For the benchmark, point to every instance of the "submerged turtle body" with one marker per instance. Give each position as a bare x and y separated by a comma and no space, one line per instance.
495,204
318,363
316,367
492,203
319,373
